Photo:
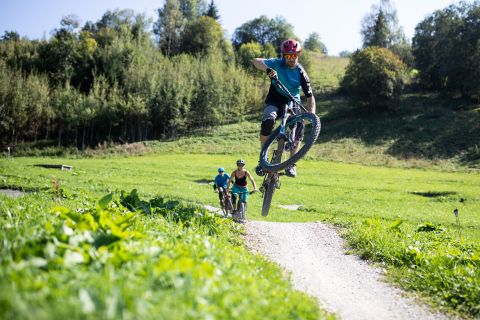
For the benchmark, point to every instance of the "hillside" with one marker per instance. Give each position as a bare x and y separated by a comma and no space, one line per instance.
424,130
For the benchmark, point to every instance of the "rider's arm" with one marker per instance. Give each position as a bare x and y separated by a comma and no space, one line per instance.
311,106
251,180
230,180
266,65
307,90
259,63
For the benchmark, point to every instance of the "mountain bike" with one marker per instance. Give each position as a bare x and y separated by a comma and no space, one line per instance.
298,131
226,202
241,213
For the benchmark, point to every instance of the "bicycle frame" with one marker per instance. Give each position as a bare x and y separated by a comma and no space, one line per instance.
289,109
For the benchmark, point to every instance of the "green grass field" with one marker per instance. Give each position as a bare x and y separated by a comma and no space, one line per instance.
66,250
329,190
391,182
401,217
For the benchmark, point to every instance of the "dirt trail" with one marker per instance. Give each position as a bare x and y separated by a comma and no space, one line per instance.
344,284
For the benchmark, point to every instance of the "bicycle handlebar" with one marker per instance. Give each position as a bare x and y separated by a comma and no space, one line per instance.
276,82
248,191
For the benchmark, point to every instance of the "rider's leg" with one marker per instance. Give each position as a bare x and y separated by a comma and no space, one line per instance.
244,194
220,197
244,197
291,171
270,113
235,191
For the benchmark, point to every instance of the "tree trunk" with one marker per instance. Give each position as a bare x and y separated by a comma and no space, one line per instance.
60,136
139,129
83,137
47,130
76,137
91,134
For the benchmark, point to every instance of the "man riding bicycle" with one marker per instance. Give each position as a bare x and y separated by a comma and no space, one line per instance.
294,77
221,180
240,184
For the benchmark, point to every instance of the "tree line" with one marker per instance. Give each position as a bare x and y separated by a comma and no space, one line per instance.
127,78
443,57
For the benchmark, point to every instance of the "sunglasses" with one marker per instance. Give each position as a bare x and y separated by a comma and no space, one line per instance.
290,56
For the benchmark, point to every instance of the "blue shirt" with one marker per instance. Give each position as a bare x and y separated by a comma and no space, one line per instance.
221,181
294,79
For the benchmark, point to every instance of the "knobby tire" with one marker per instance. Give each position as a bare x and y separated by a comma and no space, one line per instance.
241,214
227,206
271,181
272,166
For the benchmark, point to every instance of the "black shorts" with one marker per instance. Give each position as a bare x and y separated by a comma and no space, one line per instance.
273,112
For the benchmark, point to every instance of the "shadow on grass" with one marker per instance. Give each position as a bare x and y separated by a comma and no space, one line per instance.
203,181
433,194
422,126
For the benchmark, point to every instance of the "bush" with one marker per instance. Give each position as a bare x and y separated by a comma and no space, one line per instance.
374,78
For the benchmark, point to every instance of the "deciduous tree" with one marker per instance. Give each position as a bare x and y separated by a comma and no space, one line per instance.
263,30
313,43
169,27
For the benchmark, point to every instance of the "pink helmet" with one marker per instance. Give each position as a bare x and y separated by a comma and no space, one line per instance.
291,46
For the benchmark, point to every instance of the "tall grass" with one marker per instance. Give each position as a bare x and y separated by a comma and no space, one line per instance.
368,201
428,259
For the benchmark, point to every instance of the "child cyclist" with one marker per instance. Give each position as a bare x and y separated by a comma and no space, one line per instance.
240,184
220,183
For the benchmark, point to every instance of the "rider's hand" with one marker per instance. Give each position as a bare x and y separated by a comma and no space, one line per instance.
272,74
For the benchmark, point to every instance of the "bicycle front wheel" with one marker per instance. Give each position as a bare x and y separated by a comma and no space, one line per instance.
311,130
241,211
228,206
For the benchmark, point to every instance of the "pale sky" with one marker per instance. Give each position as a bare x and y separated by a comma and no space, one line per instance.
337,21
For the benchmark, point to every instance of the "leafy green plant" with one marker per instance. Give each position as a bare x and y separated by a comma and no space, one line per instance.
101,259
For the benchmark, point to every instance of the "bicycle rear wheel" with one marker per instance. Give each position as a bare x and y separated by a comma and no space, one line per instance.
311,127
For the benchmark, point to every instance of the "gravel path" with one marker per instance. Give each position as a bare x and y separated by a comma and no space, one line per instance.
344,284
11,193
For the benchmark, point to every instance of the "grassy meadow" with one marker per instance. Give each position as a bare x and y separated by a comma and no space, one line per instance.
76,246
390,181
400,217
326,72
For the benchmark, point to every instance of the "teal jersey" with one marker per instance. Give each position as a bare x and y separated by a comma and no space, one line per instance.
294,80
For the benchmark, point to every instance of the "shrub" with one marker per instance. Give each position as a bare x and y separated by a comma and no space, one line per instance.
374,78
